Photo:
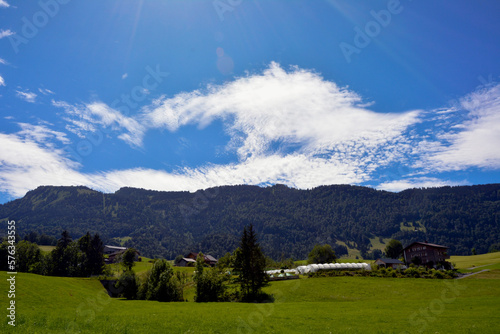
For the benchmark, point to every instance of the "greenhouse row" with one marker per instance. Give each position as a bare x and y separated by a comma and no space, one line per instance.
312,268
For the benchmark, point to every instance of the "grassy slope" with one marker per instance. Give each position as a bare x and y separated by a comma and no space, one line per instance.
464,262
46,249
322,305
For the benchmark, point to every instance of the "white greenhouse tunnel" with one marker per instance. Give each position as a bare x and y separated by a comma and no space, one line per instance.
312,268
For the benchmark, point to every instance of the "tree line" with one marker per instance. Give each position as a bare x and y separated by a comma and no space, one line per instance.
289,221
212,284
70,258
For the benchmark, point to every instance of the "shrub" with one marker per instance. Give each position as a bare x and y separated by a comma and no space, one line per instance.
161,284
128,284
437,274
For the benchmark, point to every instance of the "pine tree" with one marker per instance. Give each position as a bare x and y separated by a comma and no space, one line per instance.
250,262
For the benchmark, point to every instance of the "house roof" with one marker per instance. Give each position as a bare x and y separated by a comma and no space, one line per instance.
391,261
425,244
187,259
115,247
210,258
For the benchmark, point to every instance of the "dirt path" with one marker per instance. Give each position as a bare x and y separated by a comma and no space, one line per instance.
484,265
470,274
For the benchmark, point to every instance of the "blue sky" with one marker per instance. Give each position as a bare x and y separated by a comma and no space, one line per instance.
185,95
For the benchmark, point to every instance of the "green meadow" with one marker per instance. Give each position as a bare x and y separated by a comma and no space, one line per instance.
308,305
472,261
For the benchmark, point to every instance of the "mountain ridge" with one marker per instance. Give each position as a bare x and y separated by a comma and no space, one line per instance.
288,221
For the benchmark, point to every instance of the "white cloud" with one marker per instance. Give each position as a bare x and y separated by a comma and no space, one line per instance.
2,81
421,182
293,108
45,91
4,3
125,75
6,33
25,164
89,117
26,96
474,139
3,61
290,127
41,134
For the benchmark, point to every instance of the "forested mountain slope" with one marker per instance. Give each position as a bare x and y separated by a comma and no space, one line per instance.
289,222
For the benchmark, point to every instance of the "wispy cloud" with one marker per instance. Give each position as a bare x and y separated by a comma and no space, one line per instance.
3,61
6,33
26,164
2,81
291,108
125,75
419,182
26,96
45,91
472,136
41,134
89,117
286,126
4,3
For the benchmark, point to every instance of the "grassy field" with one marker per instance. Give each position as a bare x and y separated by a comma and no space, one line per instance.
46,249
376,244
465,262
320,305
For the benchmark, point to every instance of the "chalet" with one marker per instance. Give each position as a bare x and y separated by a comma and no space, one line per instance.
209,259
186,262
389,263
425,253
108,250
116,256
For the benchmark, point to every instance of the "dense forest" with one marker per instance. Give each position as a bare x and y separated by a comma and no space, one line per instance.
288,222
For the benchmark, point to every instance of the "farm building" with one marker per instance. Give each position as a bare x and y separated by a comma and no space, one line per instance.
390,263
112,249
209,259
186,262
116,256
425,253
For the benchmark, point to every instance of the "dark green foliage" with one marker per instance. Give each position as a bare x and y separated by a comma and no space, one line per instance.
128,258
128,284
226,261
40,239
288,221
250,263
394,249
64,258
374,255
210,282
162,284
494,248
92,255
95,256
412,272
321,254
178,258
29,258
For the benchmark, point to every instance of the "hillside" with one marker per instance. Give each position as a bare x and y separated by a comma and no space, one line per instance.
321,305
288,221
